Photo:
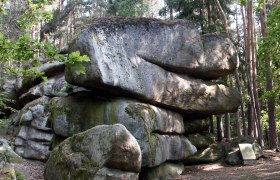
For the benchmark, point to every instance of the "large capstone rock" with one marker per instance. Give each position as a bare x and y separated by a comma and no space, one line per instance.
90,153
233,154
34,137
150,125
134,57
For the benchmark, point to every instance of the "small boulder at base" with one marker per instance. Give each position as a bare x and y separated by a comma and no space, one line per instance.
201,141
233,155
7,155
115,174
164,171
211,154
84,155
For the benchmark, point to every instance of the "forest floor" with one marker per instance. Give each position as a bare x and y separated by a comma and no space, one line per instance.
266,168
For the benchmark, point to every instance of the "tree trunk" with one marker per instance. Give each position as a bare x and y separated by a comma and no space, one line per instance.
238,127
273,138
227,127
252,73
211,124
209,13
220,129
222,14
171,13
242,103
250,121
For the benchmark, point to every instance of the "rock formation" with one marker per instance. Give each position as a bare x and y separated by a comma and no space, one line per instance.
148,81
127,57
96,152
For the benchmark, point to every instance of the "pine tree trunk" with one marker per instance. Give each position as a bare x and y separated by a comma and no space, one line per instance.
250,121
273,138
242,103
220,129
238,127
222,14
211,124
227,127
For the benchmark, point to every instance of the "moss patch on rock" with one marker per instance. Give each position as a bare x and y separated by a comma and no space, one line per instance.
211,154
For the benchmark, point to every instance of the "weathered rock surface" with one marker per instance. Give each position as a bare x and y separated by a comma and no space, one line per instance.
196,126
201,141
8,92
53,87
7,155
115,174
49,70
163,171
34,137
233,155
211,154
220,56
73,114
86,154
210,56
70,115
121,57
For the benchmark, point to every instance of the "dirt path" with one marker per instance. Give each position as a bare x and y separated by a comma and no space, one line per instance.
267,168
32,170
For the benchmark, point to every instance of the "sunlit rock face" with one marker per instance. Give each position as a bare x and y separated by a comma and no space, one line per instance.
154,60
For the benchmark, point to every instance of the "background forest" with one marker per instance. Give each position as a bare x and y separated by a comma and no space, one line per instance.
35,31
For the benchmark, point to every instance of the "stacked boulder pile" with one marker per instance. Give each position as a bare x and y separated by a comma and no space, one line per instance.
140,108
30,124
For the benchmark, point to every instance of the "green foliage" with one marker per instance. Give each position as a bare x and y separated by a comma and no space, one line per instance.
193,10
23,55
76,61
34,14
127,8
19,175
269,48
5,105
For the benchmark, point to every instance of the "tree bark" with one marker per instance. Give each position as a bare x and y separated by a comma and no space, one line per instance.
220,129
227,127
211,124
238,127
222,14
242,103
273,137
251,127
